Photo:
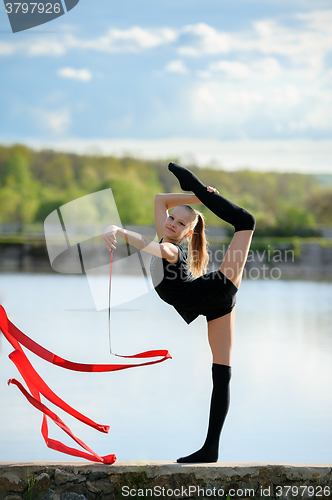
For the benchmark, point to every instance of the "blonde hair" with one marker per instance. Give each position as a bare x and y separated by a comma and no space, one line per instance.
197,249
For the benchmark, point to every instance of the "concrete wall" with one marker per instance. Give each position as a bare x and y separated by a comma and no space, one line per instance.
88,481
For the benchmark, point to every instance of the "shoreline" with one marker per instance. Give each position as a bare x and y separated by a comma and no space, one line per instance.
268,259
91,481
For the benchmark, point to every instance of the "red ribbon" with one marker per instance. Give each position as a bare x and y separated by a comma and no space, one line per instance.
38,387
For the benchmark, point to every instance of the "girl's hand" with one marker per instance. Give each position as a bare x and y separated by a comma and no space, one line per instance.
212,190
109,237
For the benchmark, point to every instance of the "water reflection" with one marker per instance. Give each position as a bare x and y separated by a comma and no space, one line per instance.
280,390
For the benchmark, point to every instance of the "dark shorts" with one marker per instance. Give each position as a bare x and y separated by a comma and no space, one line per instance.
216,297
219,297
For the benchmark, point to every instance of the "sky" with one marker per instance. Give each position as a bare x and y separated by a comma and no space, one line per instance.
232,84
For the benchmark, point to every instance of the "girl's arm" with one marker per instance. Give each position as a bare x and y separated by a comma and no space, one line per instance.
164,201
171,200
165,250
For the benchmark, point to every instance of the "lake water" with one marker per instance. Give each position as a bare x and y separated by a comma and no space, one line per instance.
281,398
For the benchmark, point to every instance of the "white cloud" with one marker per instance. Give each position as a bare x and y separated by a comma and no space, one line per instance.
317,114
303,48
216,96
244,97
271,77
42,47
272,74
319,118
57,122
231,68
233,109
135,39
84,75
176,67
319,20
289,96
206,75
209,40
267,68
304,45
219,106
6,49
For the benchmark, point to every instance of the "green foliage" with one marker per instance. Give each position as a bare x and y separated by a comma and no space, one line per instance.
31,483
19,194
33,184
321,206
134,194
45,208
9,203
15,171
59,172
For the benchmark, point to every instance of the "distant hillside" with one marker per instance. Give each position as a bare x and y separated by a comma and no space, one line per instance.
33,184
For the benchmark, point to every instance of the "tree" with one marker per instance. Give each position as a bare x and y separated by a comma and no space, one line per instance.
321,206
59,172
16,171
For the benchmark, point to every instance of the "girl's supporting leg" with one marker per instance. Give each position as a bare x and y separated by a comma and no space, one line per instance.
220,334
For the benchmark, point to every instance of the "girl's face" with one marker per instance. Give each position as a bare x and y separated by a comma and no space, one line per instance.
178,225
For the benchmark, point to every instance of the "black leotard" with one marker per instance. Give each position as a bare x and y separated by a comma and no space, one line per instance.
212,294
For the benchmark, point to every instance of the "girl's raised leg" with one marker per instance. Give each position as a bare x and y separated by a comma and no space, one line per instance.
235,258
223,208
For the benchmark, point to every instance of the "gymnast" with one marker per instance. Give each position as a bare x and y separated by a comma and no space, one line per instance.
189,289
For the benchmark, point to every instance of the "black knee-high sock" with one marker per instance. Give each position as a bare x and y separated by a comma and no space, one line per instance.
226,210
221,375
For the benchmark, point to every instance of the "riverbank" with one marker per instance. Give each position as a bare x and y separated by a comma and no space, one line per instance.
269,258
89,481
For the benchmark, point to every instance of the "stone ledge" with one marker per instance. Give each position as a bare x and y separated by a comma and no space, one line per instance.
90,481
